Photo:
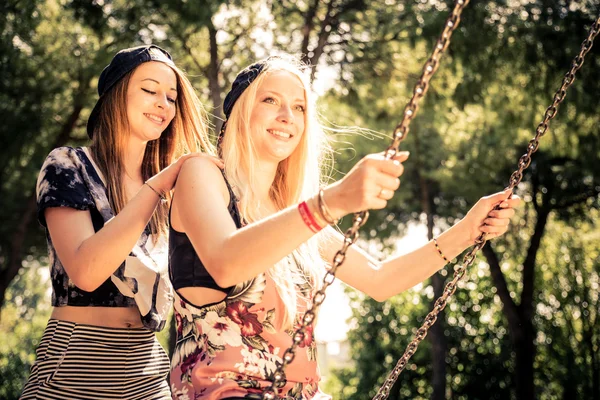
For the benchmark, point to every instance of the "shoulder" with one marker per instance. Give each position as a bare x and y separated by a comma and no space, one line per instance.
61,183
200,182
61,170
65,157
200,168
202,173
64,151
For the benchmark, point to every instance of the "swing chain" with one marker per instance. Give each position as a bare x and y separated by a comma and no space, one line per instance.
351,235
515,179
551,111
430,67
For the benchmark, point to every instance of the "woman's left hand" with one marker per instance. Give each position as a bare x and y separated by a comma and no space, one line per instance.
483,217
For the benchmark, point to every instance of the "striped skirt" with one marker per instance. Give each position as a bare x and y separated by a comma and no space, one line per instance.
76,361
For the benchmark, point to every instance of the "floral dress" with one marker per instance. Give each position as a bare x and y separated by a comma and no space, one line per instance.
231,348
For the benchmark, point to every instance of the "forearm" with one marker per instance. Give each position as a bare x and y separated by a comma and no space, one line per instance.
255,248
103,252
403,272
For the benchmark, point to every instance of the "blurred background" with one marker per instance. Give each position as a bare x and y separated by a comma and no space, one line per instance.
523,325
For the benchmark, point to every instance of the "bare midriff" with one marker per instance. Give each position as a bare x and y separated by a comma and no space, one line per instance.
201,296
110,317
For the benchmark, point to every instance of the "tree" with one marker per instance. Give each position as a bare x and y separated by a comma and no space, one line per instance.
466,172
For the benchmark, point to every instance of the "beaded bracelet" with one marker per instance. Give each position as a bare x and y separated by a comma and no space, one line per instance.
324,210
440,251
162,197
308,217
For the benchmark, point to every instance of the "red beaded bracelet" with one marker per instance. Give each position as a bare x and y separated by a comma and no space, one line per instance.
308,217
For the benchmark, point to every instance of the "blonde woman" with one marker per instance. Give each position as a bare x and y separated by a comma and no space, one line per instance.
248,244
106,231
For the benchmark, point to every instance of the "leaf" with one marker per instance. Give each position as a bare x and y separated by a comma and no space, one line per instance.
219,308
189,328
312,352
212,349
249,384
270,316
183,348
250,291
256,342
268,327
296,390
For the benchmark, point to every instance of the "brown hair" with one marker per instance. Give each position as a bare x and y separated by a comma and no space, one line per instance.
186,133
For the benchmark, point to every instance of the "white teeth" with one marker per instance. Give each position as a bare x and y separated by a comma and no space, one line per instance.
155,118
281,134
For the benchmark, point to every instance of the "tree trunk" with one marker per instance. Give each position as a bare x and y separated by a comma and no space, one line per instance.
524,356
438,340
325,28
15,256
595,373
436,335
526,349
520,318
307,29
439,345
595,376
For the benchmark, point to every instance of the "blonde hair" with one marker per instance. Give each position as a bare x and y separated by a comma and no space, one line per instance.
186,133
298,177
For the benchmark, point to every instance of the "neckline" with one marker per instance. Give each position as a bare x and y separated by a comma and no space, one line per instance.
85,152
90,159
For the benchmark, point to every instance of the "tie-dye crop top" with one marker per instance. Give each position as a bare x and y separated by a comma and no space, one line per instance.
69,178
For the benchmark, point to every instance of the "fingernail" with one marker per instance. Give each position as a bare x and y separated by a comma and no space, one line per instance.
396,162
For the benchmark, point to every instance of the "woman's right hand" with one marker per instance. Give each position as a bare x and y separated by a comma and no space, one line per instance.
368,186
165,180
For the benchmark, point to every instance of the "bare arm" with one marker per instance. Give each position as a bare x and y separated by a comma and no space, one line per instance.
232,256
384,279
381,280
90,257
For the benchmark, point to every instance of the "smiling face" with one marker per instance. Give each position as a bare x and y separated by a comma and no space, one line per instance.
151,97
278,115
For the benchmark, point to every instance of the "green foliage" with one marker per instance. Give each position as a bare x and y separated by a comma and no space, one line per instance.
482,107
505,61
24,319
479,350
568,313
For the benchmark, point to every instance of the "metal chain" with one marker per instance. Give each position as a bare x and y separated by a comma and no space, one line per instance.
422,85
351,235
515,179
